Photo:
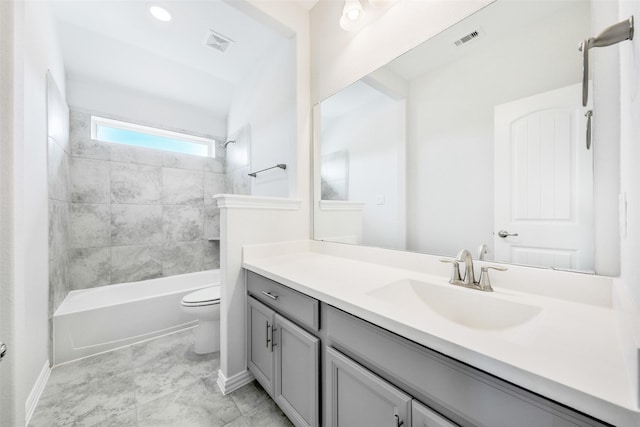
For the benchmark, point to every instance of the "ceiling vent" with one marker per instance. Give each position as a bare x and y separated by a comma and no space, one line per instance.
469,37
218,41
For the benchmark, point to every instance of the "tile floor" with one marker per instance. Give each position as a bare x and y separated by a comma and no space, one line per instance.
161,382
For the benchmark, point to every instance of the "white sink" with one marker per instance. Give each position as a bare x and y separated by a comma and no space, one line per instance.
468,307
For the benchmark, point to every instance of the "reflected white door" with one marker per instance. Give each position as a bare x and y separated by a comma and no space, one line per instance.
544,182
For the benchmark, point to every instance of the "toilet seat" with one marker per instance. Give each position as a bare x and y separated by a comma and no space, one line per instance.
202,297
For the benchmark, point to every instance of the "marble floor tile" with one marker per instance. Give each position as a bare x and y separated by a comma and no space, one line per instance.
87,403
66,378
251,398
268,416
127,419
238,422
173,371
160,382
168,345
186,407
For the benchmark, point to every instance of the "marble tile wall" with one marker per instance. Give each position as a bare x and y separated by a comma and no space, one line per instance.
139,213
59,219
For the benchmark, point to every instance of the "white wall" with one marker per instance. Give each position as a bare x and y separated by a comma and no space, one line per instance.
138,107
11,295
265,100
374,137
451,127
605,71
630,153
41,52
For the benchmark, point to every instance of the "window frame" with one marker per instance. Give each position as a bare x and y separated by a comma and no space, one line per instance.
149,130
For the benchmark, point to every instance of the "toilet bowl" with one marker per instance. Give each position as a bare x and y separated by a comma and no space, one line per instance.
204,305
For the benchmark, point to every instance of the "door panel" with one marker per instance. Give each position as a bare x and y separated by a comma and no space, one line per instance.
544,182
422,416
357,397
297,372
261,361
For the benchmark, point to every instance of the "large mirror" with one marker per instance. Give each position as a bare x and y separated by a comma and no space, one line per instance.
474,139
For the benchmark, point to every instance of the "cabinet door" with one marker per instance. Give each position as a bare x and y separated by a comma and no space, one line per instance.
297,373
260,343
422,416
357,397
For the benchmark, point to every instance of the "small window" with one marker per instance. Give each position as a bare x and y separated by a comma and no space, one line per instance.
119,132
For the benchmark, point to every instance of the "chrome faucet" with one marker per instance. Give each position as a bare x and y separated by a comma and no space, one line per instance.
469,280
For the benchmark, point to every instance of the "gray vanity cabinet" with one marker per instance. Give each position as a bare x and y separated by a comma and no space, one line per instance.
357,397
422,416
297,372
283,353
260,320
373,377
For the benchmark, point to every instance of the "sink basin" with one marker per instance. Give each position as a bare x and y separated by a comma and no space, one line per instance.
468,307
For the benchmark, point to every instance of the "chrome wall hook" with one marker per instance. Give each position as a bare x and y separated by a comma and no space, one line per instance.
588,115
611,35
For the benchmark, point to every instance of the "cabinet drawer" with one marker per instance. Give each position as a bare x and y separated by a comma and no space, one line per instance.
299,307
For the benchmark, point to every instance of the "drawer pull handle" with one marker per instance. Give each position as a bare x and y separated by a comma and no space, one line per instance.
270,331
267,334
265,293
397,421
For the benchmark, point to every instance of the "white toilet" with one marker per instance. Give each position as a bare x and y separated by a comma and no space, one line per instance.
204,304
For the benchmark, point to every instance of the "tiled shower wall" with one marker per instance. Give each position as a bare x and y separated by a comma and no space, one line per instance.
59,207
139,213
59,199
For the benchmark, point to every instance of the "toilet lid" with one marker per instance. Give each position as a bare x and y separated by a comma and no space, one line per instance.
210,294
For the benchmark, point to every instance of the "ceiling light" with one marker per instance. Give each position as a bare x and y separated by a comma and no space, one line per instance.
351,14
352,10
160,13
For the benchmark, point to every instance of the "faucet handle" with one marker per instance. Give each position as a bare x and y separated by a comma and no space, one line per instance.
455,274
484,283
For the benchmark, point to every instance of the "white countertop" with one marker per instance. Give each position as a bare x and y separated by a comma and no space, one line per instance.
571,352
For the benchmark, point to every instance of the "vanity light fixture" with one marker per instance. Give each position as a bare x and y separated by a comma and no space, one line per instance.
351,14
161,14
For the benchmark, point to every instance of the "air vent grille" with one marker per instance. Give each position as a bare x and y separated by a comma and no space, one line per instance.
469,37
218,41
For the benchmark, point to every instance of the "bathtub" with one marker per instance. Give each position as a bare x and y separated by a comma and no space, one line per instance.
92,321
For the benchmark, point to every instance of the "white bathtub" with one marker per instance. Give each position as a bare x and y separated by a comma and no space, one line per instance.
94,320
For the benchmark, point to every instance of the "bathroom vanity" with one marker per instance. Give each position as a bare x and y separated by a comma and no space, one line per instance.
338,339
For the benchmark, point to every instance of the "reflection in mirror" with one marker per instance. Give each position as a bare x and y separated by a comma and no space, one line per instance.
474,139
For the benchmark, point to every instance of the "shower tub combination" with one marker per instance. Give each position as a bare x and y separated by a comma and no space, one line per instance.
92,321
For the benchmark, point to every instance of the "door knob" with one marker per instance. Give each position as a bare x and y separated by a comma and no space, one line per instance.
505,233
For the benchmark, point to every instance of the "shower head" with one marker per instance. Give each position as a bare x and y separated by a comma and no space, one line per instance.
233,141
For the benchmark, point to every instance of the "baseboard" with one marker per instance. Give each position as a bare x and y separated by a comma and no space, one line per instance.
36,392
231,384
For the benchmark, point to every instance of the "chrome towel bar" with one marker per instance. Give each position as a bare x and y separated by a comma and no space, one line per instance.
279,165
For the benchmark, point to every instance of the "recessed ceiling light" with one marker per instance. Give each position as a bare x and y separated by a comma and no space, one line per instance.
160,13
